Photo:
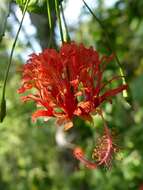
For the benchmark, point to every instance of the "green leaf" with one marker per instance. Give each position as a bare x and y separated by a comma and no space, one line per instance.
2,110
4,13
36,6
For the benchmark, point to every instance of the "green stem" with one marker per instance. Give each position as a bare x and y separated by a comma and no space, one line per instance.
66,27
3,101
50,23
49,15
59,19
125,93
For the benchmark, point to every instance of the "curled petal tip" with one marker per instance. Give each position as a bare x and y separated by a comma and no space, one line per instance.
21,90
68,126
79,155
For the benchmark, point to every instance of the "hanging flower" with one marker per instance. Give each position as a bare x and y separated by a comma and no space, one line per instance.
68,83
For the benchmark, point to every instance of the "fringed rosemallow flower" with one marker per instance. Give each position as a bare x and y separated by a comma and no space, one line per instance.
69,83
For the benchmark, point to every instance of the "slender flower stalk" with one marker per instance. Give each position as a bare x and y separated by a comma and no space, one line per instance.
49,15
59,19
51,27
126,93
3,99
65,24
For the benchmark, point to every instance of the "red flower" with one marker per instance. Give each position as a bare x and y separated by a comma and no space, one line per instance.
69,83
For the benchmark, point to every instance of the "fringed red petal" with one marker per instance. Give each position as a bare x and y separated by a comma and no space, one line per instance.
79,155
41,113
113,92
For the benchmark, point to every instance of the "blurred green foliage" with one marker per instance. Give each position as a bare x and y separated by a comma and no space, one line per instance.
30,158
4,10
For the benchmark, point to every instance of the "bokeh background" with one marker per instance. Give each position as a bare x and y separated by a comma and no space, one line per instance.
33,156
